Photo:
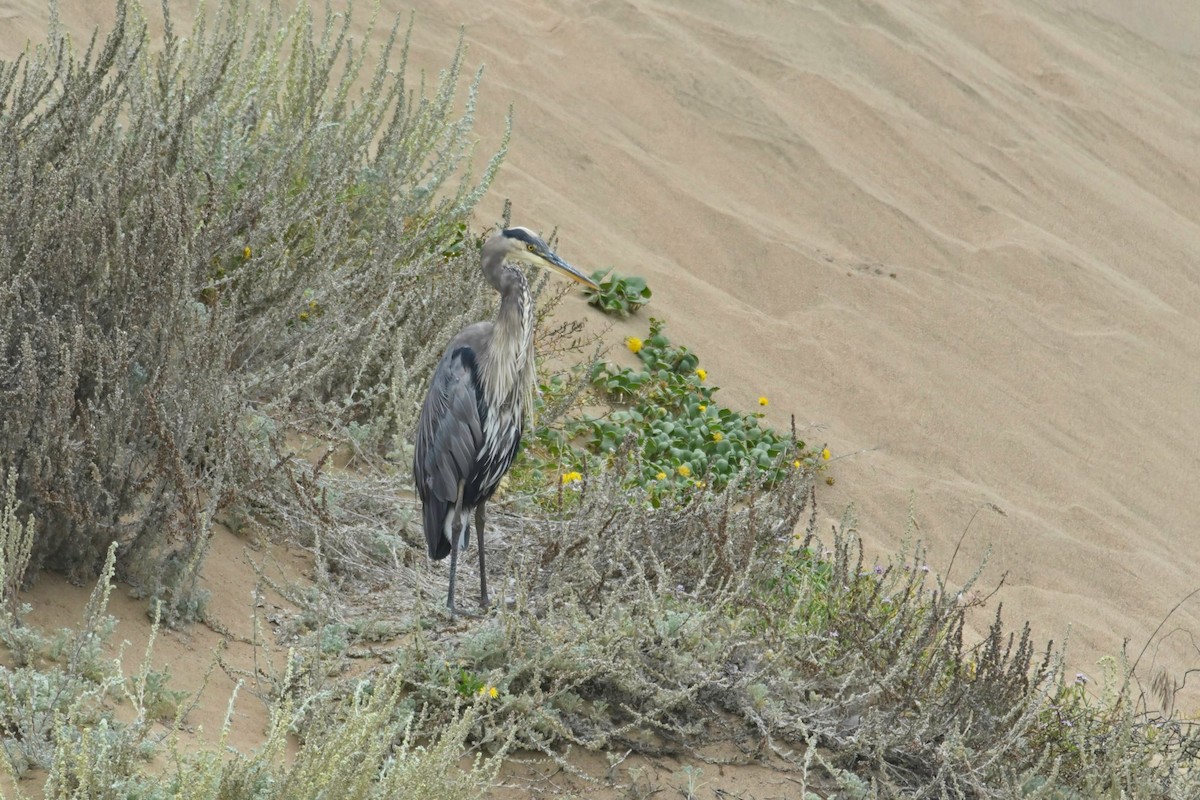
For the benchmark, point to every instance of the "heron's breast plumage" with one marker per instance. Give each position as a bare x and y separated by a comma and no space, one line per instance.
501,438
507,373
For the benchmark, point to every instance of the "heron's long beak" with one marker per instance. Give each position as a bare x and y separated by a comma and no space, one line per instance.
567,271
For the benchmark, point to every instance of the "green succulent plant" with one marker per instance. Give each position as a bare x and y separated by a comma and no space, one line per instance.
618,294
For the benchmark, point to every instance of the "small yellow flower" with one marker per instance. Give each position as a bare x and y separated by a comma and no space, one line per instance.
825,454
796,463
699,484
246,253
303,316
634,344
685,470
571,477
718,436
762,401
702,408
662,476
701,373
493,692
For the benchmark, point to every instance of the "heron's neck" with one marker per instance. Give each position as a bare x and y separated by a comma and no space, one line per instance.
509,368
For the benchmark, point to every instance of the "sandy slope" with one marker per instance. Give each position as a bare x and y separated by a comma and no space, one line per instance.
1027,177
958,241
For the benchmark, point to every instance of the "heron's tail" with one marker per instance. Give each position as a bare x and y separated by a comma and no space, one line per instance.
435,524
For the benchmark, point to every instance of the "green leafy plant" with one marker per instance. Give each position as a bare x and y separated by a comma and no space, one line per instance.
686,440
468,684
618,294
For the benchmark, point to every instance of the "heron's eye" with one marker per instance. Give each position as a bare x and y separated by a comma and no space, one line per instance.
531,248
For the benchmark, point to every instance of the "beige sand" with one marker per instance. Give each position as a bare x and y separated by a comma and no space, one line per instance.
1027,177
958,241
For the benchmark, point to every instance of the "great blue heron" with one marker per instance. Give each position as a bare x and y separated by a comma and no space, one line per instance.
473,416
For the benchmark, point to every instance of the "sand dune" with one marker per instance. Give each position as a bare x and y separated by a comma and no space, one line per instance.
958,241
960,244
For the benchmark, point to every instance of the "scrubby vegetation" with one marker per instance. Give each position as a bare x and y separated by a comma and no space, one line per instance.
203,242
216,244
618,294
685,437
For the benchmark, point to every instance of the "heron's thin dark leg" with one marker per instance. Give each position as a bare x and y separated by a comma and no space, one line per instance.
455,538
453,571
483,594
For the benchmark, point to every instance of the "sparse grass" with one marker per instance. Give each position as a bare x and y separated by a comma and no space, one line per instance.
61,687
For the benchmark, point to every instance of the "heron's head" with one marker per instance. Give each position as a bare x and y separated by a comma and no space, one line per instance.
522,244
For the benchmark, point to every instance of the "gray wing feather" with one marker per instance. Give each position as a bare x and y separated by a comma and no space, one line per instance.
449,437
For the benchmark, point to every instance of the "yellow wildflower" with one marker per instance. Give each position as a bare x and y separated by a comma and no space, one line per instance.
796,463
246,253
662,476
493,692
825,454
633,343
718,436
702,408
699,484
762,401
701,373
685,470
571,477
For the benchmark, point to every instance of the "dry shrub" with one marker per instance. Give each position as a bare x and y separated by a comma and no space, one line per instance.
365,746
203,235
663,629
622,621
114,375
641,609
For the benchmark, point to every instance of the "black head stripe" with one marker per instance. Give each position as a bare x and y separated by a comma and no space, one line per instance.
524,235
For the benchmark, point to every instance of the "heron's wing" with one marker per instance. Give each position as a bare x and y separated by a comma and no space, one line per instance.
449,439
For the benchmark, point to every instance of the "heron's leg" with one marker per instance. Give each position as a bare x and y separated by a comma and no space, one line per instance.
456,520
483,594
453,571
